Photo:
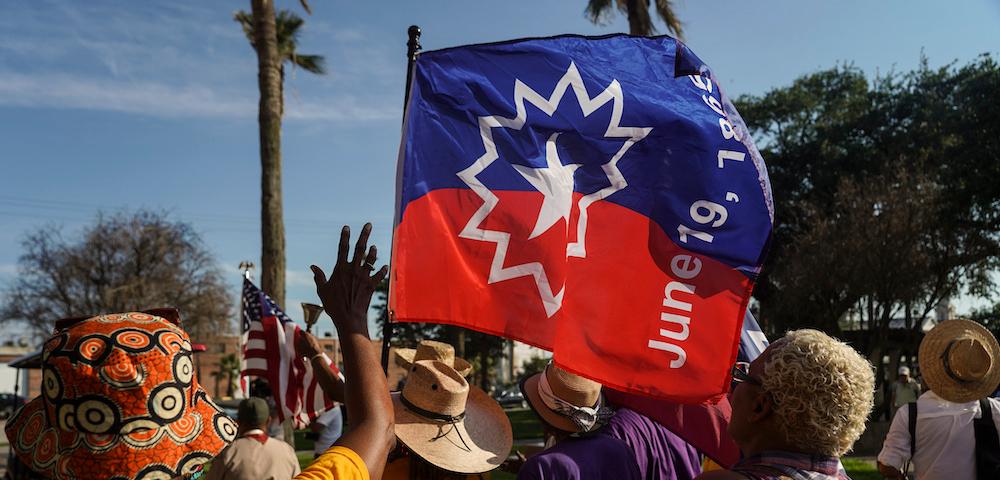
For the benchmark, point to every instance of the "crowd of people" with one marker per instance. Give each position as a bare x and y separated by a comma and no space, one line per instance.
120,401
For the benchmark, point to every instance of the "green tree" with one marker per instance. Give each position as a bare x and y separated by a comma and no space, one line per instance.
482,350
989,317
404,334
640,22
275,40
534,365
228,368
885,198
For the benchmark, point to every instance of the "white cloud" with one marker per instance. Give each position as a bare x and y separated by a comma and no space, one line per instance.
296,278
163,100
67,91
177,60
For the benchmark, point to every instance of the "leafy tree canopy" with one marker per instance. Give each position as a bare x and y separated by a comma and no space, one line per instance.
885,190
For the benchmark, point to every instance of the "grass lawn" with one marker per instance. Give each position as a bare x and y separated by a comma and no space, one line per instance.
305,458
860,469
301,442
524,423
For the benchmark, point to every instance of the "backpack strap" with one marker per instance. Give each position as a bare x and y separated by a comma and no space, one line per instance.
987,442
913,428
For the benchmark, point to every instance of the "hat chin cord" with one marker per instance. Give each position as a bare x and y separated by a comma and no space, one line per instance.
447,420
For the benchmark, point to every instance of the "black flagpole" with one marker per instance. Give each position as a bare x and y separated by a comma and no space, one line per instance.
412,48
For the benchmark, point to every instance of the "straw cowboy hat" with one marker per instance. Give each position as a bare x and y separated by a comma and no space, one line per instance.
447,422
566,401
119,401
958,360
431,350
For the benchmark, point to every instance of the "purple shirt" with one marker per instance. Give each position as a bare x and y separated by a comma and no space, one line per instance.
596,456
658,452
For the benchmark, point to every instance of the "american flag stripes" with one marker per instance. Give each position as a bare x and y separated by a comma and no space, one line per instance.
269,352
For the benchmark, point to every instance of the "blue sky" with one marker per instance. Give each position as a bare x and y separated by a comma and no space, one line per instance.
110,105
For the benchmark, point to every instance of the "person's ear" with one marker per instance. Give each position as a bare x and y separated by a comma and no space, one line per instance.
762,407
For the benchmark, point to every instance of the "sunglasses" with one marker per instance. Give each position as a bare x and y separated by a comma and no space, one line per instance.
741,374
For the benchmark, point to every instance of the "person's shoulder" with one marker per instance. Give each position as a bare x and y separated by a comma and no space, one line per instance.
284,446
339,463
634,428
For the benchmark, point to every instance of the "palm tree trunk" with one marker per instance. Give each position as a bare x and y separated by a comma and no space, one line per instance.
269,117
639,22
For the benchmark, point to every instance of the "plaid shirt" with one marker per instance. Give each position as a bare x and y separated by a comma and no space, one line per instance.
797,466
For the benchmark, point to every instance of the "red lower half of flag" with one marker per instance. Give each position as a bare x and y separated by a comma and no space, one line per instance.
637,312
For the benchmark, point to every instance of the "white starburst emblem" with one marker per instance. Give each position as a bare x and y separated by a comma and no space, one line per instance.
554,180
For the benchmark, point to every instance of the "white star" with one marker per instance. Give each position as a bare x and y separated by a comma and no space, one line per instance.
550,294
555,182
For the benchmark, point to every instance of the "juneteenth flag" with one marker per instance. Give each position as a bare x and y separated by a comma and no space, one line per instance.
598,197
703,426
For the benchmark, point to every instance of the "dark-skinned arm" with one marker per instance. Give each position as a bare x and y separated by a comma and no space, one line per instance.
346,296
307,346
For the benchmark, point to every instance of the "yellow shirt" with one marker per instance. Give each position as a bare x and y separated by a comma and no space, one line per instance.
400,470
337,463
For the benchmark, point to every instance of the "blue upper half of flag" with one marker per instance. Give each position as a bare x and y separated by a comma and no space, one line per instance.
639,121
257,305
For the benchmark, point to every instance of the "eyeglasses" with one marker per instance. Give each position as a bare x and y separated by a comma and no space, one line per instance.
741,374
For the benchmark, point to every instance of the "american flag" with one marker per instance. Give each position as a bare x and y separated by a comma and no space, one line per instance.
269,352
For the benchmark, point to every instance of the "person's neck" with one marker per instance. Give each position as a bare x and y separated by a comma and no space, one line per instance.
243,431
769,441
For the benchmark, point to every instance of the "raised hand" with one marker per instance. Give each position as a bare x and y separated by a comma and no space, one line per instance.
306,345
347,294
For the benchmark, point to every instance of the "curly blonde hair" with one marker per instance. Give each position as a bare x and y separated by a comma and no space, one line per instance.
823,390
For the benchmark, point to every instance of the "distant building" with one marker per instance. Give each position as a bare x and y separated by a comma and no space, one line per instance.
25,382
512,362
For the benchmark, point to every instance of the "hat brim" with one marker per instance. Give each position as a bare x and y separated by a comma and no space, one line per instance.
529,387
485,429
932,368
51,451
405,358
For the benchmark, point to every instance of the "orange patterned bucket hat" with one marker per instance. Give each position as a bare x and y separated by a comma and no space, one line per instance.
119,401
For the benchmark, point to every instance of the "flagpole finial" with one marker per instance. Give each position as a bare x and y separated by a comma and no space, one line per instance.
413,45
247,267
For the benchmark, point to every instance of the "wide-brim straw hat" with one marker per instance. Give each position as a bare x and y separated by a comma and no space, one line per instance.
432,350
570,388
120,399
958,361
476,438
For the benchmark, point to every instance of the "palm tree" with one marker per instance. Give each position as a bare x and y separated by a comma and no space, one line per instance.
639,20
275,39
287,25
229,367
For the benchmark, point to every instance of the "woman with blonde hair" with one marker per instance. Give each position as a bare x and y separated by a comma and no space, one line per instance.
797,408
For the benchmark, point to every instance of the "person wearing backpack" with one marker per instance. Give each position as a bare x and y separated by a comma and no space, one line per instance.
951,431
